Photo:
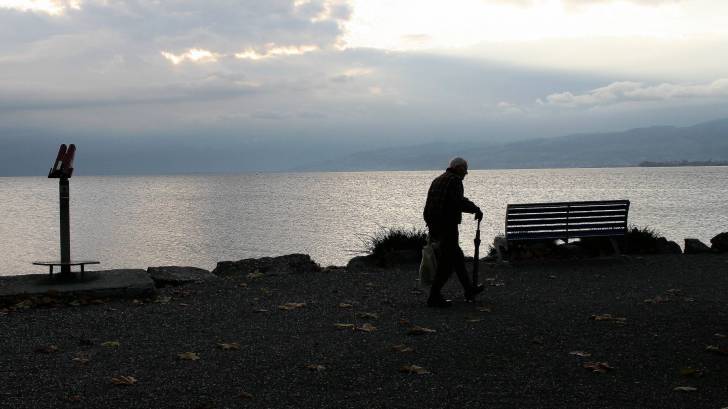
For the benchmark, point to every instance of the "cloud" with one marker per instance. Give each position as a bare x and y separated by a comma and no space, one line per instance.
193,54
626,91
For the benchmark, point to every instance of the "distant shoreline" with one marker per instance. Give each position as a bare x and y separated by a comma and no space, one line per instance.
649,164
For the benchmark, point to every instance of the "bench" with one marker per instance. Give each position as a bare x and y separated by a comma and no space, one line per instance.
51,264
564,221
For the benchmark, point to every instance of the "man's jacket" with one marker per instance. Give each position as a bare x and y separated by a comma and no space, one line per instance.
446,201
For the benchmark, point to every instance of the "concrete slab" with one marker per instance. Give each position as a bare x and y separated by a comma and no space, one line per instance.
97,284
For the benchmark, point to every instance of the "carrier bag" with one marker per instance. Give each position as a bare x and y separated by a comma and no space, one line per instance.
428,265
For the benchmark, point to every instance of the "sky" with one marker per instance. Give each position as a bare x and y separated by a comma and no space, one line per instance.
266,85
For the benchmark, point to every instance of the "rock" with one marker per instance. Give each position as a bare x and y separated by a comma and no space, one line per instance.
398,257
362,263
695,246
291,263
174,275
719,243
663,246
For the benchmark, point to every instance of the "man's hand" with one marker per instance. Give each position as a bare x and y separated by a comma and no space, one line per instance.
478,215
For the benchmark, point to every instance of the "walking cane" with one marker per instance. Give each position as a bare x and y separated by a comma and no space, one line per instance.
476,256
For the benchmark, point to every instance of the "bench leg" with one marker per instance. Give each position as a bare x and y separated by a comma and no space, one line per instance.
50,268
615,246
82,271
500,245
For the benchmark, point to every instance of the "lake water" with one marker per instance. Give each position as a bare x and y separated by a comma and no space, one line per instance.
198,220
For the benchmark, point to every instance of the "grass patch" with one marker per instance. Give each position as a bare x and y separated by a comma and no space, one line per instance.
394,239
638,240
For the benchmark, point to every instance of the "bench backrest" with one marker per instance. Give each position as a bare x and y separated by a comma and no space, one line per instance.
533,221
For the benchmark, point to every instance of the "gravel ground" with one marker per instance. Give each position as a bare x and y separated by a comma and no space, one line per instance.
511,349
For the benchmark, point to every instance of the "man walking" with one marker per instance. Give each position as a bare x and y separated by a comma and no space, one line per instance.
443,213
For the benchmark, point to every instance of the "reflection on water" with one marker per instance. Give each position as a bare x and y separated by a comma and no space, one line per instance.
136,222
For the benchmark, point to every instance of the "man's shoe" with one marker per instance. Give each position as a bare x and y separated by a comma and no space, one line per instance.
438,303
473,291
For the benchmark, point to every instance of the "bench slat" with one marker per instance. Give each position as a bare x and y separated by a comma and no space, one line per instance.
510,217
564,220
551,209
568,227
586,203
565,234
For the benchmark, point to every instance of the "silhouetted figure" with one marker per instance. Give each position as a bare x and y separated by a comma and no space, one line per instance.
443,213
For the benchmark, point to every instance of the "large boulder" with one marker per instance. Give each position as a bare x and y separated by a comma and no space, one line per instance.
174,275
664,246
288,264
695,246
719,243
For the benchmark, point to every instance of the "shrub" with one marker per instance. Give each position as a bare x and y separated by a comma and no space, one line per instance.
638,240
394,239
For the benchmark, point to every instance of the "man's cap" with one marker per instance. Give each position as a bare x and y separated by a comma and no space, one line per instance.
458,161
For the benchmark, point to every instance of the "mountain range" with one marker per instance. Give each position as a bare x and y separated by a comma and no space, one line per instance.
702,142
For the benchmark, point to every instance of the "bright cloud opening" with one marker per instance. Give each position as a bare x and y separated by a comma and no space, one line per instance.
434,24
193,54
51,7
271,50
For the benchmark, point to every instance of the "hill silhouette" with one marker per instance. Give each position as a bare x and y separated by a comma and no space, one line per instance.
702,142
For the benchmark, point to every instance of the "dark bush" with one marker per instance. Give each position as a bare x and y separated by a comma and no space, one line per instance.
638,240
391,240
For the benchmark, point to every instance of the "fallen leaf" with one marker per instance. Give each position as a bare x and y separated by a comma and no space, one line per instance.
552,277
81,358
473,319
111,344
402,348
414,369
74,303
720,335
183,304
259,310
403,322
137,302
255,274
162,300
291,306
416,291
73,398
717,350
315,367
246,395
417,330
657,300
367,327
189,356
674,291
369,284
600,367
339,325
25,304
484,309
243,285
537,340
225,346
689,299
580,354
608,317
691,372
685,389
124,380
368,315
345,305
47,349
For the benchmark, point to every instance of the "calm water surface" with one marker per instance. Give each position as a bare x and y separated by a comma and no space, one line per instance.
141,221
